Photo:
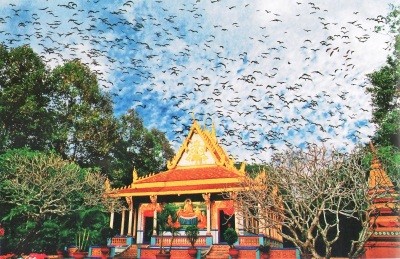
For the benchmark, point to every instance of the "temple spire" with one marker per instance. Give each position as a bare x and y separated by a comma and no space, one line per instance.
378,178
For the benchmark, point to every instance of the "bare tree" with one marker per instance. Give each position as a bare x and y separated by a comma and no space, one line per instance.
308,193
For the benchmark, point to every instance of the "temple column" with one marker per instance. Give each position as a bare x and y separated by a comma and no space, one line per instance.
153,199
112,219
155,222
135,221
122,222
206,197
130,216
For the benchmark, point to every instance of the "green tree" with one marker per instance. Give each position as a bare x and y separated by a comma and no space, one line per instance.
86,127
385,92
39,190
138,148
24,97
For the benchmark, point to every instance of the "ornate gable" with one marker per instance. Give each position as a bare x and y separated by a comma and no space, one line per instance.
200,148
200,165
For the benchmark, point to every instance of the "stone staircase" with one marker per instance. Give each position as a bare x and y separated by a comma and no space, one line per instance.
218,252
129,253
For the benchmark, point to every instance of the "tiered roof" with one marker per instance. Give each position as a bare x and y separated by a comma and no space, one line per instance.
378,178
201,165
384,201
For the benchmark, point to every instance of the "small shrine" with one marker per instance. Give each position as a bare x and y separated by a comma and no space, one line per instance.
384,241
196,179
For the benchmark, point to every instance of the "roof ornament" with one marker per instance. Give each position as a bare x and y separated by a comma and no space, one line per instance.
213,132
378,178
193,117
134,175
242,167
153,198
107,185
206,197
231,160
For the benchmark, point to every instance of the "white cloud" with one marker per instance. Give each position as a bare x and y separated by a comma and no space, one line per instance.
265,72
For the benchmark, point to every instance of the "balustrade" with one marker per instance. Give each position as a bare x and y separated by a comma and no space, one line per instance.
249,241
179,241
119,241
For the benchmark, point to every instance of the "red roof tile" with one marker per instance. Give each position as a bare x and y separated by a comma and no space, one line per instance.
190,174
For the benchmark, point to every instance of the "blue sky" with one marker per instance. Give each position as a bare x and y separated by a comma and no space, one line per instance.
270,75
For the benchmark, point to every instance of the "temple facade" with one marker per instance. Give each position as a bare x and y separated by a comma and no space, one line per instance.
195,182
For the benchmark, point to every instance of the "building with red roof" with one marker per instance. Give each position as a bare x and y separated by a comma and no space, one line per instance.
196,180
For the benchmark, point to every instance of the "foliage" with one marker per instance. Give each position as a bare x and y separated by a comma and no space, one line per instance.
86,127
167,221
307,192
231,236
64,110
24,97
384,91
43,184
390,23
192,234
42,193
137,147
386,84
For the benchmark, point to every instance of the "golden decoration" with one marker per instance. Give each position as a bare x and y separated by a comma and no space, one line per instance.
196,153
134,175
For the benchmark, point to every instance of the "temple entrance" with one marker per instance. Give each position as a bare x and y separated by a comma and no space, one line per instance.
148,229
225,221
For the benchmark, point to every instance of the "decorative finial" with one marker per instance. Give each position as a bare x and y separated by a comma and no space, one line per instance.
153,199
371,145
242,167
107,185
134,175
213,131
192,113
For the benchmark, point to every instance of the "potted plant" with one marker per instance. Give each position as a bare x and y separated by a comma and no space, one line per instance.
192,234
264,250
82,242
231,237
167,221
105,234
61,252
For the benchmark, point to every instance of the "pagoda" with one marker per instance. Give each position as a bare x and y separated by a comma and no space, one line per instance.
195,181
384,241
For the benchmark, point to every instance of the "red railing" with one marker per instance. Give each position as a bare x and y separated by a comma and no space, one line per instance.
119,241
179,241
249,241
